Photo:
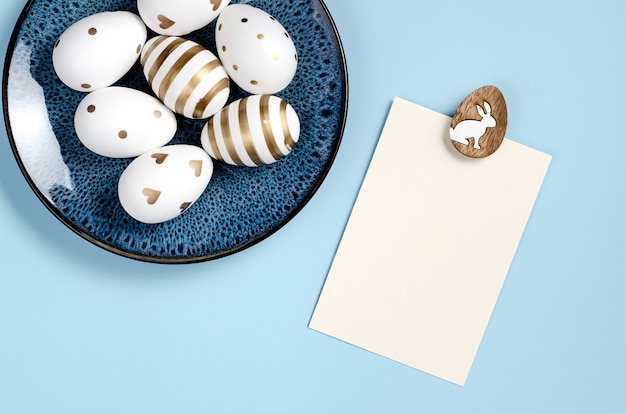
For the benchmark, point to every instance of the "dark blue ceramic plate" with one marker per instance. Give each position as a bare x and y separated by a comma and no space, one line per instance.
241,205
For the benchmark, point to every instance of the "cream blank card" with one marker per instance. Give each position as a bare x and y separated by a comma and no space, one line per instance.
428,245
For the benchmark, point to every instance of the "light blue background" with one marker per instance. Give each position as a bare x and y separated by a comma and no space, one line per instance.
85,331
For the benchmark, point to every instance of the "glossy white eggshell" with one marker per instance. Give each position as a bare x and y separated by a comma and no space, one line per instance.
163,183
252,131
180,17
187,77
121,122
256,50
98,50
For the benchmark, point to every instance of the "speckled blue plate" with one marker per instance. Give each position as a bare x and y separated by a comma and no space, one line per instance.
241,205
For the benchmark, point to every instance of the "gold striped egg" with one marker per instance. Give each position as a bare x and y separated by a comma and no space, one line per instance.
252,131
187,77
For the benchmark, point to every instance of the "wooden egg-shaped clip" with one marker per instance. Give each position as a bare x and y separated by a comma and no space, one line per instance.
479,124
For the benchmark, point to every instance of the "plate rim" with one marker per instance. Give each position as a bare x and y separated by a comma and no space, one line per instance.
173,260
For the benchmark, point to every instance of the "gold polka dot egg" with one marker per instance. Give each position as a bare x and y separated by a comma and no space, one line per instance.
180,17
255,49
121,122
98,50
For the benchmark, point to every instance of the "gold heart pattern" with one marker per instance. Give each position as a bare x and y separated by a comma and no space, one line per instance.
165,22
159,158
216,4
196,165
161,184
153,195
184,207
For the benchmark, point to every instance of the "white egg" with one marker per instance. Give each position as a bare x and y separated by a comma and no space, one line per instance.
121,122
98,50
180,17
255,130
163,183
256,50
187,77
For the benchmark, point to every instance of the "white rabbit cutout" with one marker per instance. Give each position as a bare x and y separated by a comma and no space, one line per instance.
471,128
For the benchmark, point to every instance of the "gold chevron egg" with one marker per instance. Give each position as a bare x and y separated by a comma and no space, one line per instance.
187,77
252,131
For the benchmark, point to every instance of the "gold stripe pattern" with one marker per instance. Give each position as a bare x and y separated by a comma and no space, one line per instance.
184,95
212,141
206,100
227,137
176,68
266,125
246,135
254,125
289,141
147,52
165,53
195,62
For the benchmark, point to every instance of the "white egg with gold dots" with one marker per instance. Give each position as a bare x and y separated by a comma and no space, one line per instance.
121,122
256,50
98,50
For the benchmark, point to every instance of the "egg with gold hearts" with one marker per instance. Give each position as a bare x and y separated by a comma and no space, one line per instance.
163,183
180,17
